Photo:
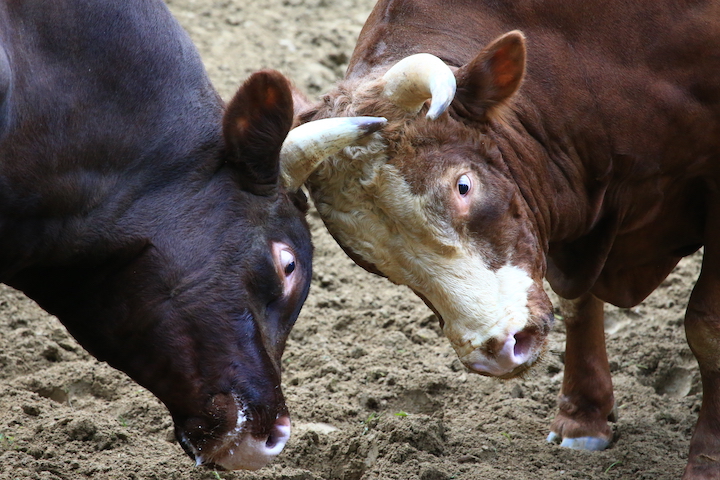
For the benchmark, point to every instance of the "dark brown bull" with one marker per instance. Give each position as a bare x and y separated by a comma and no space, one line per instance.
595,164
151,221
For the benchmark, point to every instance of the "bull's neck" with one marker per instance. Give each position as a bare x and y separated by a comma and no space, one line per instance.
563,183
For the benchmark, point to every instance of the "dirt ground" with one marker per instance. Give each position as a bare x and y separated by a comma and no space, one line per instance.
374,390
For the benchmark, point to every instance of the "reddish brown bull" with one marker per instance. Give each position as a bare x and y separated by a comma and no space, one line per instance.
593,160
150,218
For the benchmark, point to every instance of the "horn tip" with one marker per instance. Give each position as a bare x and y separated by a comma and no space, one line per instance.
437,109
372,124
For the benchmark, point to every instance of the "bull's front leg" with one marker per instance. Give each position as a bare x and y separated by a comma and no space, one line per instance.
586,400
702,326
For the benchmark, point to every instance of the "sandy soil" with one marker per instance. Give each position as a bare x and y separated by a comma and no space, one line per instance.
374,390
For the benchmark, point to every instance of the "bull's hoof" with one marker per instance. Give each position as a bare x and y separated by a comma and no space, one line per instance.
580,443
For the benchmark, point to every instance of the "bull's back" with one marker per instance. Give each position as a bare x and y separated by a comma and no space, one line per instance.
101,102
92,92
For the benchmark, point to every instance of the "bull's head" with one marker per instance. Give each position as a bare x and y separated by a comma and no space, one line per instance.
430,202
239,272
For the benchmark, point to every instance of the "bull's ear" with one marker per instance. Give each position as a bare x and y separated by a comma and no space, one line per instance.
255,125
491,78
303,107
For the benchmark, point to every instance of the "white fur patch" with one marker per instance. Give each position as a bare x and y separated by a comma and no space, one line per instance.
483,304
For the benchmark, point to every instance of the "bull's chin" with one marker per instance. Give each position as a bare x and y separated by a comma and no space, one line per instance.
486,366
519,371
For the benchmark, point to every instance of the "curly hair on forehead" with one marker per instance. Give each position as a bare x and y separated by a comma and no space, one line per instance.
357,98
352,98
406,135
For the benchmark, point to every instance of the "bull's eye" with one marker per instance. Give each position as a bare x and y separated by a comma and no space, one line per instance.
287,262
463,185
286,267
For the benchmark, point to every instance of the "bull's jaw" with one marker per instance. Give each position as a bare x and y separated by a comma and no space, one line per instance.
238,449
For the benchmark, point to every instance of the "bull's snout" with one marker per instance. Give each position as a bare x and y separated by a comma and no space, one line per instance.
252,453
508,356
241,447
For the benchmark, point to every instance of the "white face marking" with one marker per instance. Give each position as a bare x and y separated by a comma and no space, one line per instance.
369,207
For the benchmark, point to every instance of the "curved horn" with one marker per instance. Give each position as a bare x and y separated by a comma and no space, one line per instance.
417,78
306,146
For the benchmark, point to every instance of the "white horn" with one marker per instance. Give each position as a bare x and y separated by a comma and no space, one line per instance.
417,78
306,146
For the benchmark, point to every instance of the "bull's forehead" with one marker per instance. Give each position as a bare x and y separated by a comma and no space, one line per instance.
371,207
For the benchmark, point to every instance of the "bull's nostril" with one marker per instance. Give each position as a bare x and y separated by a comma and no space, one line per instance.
276,435
523,344
279,434
272,440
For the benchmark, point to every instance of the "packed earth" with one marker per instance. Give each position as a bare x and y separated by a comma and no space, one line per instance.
373,388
